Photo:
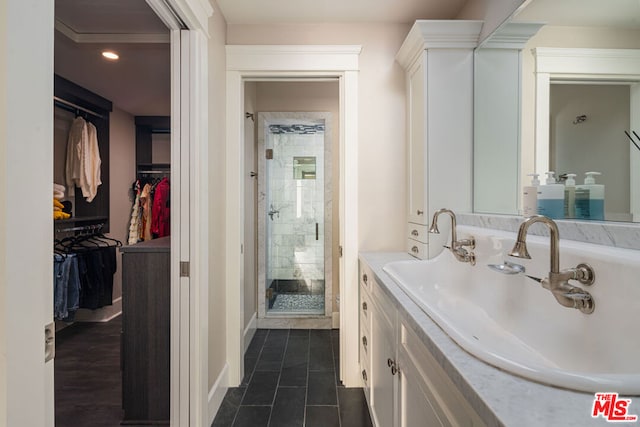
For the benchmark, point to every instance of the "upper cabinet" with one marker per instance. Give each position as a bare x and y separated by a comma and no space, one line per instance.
438,59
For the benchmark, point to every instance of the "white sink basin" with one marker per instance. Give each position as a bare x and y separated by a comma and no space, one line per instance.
511,322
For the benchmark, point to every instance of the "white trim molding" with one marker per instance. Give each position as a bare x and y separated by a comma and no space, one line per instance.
76,37
217,393
443,34
575,65
293,62
250,331
513,35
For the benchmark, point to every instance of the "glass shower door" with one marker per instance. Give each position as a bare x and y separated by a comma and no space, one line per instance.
295,213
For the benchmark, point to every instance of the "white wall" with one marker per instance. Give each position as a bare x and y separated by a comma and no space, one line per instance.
382,118
3,235
217,132
26,88
556,36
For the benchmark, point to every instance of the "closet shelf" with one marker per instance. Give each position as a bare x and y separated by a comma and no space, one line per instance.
81,220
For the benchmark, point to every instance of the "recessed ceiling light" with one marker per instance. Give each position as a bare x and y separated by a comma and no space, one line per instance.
110,55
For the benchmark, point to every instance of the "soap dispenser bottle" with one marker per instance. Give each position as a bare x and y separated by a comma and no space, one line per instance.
570,196
590,198
530,196
551,198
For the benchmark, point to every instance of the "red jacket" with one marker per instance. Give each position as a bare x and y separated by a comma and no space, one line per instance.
160,220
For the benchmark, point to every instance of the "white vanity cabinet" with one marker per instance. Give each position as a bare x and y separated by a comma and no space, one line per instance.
438,59
404,385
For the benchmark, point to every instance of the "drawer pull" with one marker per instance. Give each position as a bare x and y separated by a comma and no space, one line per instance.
415,233
419,212
390,362
415,250
365,278
364,341
364,306
364,374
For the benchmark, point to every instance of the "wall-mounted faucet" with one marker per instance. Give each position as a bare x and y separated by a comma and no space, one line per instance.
457,246
558,281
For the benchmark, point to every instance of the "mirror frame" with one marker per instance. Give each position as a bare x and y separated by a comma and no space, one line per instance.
592,65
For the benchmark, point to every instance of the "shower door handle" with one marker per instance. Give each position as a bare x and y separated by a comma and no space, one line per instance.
316,231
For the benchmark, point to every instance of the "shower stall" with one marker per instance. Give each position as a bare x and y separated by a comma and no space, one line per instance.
294,215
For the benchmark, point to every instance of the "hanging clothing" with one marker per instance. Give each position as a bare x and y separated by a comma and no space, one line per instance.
78,137
135,222
83,161
160,221
91,164
146,204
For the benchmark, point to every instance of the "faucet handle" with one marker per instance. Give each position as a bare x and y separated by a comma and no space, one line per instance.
584,274
470,242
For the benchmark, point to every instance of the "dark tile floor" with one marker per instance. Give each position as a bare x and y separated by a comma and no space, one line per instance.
291,379
88,383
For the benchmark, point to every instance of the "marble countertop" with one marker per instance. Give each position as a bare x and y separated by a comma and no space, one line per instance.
499,398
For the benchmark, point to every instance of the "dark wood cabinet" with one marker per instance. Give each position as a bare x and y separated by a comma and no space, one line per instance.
146,332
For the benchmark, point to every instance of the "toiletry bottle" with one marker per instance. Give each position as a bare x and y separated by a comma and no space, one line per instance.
590,198
570,196
551,198
530,196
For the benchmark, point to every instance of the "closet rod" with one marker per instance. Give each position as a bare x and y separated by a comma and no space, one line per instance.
77,107
154,172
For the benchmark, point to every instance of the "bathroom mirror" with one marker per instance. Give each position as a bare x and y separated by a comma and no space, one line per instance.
582,44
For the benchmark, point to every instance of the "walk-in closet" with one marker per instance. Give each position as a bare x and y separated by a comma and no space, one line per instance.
111,214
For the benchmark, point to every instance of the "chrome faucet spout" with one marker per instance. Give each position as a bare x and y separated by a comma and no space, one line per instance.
457,246
520,248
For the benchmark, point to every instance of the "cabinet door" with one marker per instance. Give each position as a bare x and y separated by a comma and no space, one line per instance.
414,400
382,381
417,152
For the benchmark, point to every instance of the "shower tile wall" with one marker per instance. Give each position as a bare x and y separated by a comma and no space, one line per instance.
291,236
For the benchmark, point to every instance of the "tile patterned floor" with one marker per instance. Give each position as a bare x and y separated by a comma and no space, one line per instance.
291,379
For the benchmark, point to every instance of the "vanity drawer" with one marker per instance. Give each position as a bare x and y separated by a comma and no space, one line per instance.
417,232
366,277
417,249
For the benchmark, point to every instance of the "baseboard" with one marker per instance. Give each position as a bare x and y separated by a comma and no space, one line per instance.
217,392
250,331
318,322
103,314
335,320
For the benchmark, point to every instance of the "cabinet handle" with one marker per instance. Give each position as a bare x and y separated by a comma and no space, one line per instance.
390,362
364,306
415,233
415,250
364,341
393,365
364,374
419,212
365,278
394,370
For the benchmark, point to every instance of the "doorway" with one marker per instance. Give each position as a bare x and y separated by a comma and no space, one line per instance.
295,214
96,338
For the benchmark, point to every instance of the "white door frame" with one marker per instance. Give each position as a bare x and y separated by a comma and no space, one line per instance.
293,62
189,150
26,116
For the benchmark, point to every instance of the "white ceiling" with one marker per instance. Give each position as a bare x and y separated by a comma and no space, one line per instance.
320,11
588,13
140,81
